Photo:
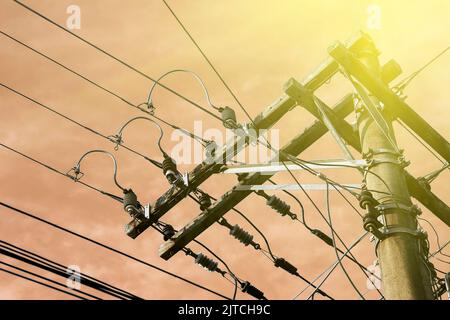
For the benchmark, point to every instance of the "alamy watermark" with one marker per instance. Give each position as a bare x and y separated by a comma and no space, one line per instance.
74,277
74,20
373,17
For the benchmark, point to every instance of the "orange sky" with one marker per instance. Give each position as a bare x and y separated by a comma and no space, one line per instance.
257,46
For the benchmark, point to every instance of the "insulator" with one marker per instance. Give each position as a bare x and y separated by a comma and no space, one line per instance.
130,202
323,236
206,262
253,291
169,169
279,205
242,235
242,176
366,200
228,118
205,201
168,232
285,265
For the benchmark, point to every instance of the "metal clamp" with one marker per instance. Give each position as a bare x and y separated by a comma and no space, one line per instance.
390,156
410,209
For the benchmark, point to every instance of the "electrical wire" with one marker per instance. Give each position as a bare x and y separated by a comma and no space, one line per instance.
77,167
269,254
303,221
400,122
332,267
327,193
398,88
30,215
234,96
440,250
325,219
117,198
208,61
42,283
130,104
115,58
154,162
118,136
437,239
57,266
236,279
48,279
195,75
12,253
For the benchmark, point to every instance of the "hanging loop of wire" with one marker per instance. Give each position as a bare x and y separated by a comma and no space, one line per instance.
77,168
118,137
196,76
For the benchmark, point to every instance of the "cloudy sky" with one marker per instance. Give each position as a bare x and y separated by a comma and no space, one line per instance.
256,46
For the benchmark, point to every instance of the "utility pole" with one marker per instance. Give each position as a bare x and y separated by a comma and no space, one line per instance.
403,266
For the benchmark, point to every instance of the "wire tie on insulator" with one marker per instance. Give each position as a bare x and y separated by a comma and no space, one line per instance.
117,140
77,174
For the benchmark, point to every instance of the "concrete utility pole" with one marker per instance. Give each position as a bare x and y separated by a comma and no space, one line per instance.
403,268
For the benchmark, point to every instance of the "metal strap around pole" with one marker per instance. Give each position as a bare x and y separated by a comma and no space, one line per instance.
271,168
312,187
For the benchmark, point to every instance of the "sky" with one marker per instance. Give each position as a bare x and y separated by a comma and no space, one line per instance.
256,46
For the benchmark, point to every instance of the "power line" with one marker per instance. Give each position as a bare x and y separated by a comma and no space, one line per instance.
117,198
248,116
57,268
4,251
42,283
403,83
88,239
154,162
116,59
208,61
272,257
48,279
245,111
30,215
130,104
333,266
327,201
157,226
334,233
